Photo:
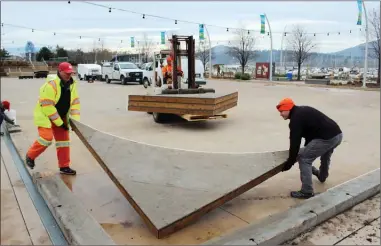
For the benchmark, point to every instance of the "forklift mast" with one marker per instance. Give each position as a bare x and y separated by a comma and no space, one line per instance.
177,53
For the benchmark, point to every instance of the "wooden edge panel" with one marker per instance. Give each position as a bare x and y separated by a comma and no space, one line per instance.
185,221
173,105
148,222
226,107
171,111
148,98
227,97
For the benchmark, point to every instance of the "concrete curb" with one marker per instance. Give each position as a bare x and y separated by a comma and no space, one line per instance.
76,223
281,227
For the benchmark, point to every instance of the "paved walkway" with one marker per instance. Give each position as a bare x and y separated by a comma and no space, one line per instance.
359,225
20,222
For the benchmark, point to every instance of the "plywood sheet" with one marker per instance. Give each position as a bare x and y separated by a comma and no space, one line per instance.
172,188
196,104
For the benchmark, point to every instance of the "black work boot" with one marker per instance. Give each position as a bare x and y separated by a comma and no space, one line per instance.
29,162
301,195
316,172
67,171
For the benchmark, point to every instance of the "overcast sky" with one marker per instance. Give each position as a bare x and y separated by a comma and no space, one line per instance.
81,19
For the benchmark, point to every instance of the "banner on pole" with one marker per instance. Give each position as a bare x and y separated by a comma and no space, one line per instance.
162,35
359,18
262,24
132,42
201,31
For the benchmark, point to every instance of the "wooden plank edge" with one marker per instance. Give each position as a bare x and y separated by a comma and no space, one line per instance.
184,106
171,111
185,221
125,193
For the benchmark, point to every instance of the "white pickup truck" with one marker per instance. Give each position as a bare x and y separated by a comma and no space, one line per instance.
123,72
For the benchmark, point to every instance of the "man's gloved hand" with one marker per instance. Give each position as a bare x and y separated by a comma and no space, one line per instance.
287,166
64,127
12,122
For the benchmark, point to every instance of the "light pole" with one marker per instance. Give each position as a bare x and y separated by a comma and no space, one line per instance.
210,52
271,51
366,46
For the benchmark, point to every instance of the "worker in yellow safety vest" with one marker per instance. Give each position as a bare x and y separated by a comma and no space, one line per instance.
57,104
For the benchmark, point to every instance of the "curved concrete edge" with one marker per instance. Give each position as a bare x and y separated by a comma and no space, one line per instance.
77,224
281,227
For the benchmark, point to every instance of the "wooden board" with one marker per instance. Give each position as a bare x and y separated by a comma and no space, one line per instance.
206,104
170,188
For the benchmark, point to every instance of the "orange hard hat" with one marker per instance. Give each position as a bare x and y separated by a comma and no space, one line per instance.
285,104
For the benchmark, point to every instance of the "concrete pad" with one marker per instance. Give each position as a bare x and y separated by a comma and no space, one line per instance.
78,226
253,126
36,229
171,188
13,228
287,225
119,219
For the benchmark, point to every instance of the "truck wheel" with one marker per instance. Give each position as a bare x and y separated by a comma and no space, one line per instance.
84,77
122,80
107,80
79,76
145,83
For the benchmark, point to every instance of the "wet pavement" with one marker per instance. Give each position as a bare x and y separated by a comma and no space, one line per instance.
253,126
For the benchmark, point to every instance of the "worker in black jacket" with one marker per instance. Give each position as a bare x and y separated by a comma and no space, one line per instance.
322,135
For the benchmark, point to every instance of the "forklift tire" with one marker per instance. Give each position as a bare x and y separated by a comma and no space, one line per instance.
159,117
145,83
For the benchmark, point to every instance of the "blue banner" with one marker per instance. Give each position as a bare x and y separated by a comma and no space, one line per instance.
262,24
359,18
201,31
162,37
132,42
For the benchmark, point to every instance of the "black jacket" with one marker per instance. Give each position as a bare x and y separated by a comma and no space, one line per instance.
309,123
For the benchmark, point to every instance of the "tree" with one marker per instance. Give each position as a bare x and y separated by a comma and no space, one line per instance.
243,48
374,31
145,48
202,54
44,53
301,46
4,53
61,52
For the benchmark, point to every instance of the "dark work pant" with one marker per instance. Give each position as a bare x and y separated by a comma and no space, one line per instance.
307,155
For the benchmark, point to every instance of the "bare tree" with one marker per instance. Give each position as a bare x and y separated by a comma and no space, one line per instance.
375,34
301,46
203,54
145,48
243,47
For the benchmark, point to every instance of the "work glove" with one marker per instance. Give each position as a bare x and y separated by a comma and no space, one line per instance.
287,166
64,127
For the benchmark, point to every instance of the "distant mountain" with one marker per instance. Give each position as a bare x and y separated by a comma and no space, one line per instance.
356,50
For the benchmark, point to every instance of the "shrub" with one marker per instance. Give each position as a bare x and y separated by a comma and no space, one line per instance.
237,75
246,76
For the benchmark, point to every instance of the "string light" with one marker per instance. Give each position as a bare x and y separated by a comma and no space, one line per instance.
144,16
175,21
109,10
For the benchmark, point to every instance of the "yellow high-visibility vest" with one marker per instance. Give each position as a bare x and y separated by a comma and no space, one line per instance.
45,111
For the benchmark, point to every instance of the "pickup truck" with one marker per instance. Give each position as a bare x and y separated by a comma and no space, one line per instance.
122,71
